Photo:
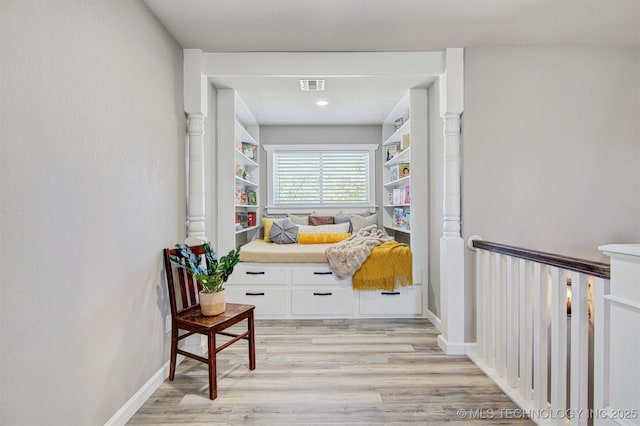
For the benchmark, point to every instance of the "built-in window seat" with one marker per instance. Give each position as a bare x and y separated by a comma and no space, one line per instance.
296,286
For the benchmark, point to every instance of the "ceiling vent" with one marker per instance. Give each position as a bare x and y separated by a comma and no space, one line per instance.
311,85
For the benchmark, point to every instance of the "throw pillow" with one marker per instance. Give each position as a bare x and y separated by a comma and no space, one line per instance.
320,238
320,220
267,223
299,220
360,222
284,232
324,229
343,219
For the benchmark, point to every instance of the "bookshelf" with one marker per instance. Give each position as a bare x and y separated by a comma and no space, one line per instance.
405,174
239,212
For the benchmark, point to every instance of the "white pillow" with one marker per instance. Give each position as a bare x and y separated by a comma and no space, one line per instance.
324,229
299,220
360,222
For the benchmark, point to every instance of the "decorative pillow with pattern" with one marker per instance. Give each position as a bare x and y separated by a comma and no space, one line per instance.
284,232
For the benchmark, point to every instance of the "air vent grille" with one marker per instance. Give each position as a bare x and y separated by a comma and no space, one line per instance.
311,85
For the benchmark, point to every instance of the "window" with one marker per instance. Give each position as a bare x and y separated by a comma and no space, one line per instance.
302,177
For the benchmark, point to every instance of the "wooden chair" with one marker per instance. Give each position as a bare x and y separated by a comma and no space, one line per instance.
186,316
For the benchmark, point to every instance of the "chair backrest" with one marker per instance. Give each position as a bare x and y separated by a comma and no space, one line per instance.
183,288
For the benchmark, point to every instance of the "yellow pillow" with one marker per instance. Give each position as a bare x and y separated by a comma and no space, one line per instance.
320,238
267,223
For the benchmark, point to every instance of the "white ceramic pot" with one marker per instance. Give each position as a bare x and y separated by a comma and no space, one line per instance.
212,303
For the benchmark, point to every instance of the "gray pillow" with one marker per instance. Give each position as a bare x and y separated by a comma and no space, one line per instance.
284,232
343,219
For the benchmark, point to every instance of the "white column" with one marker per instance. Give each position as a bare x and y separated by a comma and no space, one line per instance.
195,107
452,292
195,203
452,283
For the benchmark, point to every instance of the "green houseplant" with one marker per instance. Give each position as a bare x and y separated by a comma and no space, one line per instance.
211,275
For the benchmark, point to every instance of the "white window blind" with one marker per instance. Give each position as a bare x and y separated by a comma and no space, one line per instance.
306,177
321,178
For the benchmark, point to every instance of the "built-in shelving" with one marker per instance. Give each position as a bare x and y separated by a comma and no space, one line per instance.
239,212
404,144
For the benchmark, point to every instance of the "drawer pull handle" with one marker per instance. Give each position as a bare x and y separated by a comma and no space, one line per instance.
255,273
323,294
390,293
253,294
323,273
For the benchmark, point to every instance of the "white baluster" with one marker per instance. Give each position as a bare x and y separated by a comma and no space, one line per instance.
526,332
579,348
512,321
540,336
480,306
601,324
491,307
500,312
558,339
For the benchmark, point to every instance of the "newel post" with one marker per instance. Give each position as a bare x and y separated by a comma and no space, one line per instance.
452,288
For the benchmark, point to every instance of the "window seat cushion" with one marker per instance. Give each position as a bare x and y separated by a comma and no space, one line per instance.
259,251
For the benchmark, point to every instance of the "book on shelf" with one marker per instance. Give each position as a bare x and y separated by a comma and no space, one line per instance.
398,123
398,195
242,219
392,151
393,173
250,150
405,223
252,218
404,169
251,198
241,195
406,141
398,215
240,170
407,194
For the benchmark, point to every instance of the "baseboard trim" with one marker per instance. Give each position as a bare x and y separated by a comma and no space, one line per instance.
433,319
124,414
452,348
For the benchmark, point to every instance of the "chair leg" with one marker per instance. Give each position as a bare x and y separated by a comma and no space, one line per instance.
213,384
174,353
252,342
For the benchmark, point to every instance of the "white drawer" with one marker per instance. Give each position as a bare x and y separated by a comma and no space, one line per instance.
268,301
313,275
329,300
258,274
405,301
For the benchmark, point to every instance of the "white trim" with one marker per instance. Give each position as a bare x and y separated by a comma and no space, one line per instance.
433,319
270,149
452,348
127,411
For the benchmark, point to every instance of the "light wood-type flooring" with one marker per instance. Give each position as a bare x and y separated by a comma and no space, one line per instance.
334,372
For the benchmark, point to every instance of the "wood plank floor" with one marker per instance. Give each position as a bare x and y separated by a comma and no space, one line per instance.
334,372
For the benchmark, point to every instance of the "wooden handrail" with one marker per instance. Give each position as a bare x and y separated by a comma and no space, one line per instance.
596,269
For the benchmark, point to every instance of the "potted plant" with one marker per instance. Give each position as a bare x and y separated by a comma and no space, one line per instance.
211,276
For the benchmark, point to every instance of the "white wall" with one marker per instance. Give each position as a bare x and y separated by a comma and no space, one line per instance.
551,149
92,178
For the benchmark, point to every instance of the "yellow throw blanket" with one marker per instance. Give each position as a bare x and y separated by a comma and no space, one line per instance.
387,268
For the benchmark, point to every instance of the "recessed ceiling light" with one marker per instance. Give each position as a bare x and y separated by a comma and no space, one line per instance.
322,103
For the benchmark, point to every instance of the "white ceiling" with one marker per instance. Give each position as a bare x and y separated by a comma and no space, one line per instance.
378,25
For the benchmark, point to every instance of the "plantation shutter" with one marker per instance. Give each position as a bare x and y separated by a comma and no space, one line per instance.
316,178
